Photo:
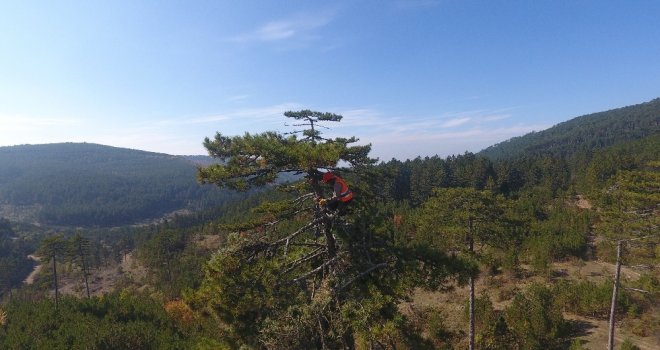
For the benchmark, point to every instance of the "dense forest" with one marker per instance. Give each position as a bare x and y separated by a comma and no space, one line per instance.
587,133
14,263
510,248
74,184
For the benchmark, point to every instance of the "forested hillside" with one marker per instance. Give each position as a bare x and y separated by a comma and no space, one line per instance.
587,133
500,252
73,184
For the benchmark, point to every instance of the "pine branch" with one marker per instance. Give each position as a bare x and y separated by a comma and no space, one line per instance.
315,253
638,290
315,271
307,244
300,230
361,275
286,216
303,198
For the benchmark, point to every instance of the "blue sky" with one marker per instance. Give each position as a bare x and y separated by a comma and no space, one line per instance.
418,77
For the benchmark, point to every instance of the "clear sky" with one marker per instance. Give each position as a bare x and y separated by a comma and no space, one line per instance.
417,77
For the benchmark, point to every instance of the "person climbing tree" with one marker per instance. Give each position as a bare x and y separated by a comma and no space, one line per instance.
287,277
341,195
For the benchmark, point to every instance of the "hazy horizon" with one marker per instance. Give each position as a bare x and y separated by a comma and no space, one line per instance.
410,77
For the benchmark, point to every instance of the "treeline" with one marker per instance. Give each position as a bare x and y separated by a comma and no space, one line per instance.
587,133
428,224
14,263
94,185
412,181
534,222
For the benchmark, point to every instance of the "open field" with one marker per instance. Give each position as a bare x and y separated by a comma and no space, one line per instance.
591,331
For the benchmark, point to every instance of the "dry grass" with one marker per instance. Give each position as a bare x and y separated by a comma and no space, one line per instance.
594,334
502,288
102,280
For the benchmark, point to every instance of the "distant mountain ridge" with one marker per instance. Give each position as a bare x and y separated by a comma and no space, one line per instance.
201,160
84,184
585,133
95,185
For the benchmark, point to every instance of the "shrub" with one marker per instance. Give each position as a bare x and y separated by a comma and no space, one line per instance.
592,299
576,344
645,326
507,293
535,319
628,345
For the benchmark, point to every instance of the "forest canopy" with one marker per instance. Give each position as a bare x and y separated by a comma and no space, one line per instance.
432,253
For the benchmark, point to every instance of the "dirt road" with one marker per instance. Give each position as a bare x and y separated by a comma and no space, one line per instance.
30,278
594,334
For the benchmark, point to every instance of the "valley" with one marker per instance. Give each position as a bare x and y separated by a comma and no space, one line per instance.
254,258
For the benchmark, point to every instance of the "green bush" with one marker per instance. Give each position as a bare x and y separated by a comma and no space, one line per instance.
110,322
576,344
628,345
535,319
592,299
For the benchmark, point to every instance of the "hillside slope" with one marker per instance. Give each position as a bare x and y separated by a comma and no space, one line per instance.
95,185
585,133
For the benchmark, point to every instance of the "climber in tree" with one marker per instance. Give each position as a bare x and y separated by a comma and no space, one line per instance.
341,195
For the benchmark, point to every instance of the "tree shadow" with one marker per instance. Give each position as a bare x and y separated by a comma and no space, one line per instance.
559,274
580,328
576,329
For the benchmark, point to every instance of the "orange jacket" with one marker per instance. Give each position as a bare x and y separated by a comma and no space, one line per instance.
341,190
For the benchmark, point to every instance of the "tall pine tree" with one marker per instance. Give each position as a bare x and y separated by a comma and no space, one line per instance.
275,285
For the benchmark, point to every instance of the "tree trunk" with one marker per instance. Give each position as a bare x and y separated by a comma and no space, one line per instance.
348,340
321,334
315,183
57,292
311,122
471,250
330,239
610,342
327,223
84,267
169,270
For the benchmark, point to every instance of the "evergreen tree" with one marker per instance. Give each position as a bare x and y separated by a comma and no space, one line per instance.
79,249
53,248
274,285
455,219
630,202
